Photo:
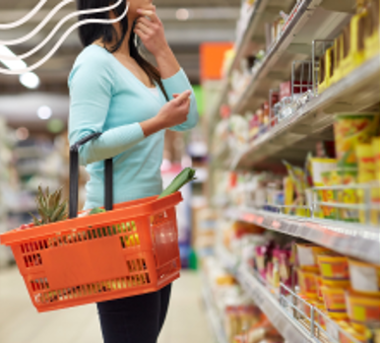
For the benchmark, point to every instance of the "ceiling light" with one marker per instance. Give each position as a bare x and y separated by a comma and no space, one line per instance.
44,112
182,14
29,80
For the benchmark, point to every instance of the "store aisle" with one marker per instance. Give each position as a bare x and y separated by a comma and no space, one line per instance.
20,323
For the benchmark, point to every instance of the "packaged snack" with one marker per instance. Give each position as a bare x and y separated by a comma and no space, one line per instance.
350,130
375,196
363,309
308,283
329,178
333,267
307,256
335,302
367,174
348,196
364,277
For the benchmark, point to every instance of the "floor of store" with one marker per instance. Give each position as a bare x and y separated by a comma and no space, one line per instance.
20,323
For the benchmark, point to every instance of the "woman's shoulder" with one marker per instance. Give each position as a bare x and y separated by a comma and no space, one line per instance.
92,59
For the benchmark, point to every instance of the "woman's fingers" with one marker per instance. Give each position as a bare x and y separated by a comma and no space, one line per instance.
144,28
141,34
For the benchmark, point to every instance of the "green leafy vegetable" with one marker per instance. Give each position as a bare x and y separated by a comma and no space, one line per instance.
186,176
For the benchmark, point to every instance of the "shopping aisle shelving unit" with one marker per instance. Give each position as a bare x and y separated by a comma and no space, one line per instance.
282,310
354,240
212,312
360,89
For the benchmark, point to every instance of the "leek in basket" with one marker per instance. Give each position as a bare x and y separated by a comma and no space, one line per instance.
186,176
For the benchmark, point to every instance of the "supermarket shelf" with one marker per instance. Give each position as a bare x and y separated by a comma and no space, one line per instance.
307,22
287,326
357,91
215,320
264,299
359,241
253,39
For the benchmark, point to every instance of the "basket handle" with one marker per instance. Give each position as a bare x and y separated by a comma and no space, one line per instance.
74,177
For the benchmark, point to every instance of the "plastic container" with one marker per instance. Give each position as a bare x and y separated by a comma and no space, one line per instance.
333,267
350,130
132,249
364,277
335,302
363,309
308,283
372,39
307,256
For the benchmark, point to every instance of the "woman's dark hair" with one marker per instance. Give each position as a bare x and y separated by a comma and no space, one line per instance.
89,33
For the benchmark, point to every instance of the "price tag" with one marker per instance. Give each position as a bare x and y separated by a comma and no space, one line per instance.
276,225
293,228
259,220
248,217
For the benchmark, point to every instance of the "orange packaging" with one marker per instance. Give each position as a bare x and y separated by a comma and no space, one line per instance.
363,309
308,283
333,267
335,302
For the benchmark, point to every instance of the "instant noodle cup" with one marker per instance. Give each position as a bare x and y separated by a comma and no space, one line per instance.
351,129
364,277
375,196
335,302
363,309
307,256
333,267
319,287
319,318
308,283
351,333
335,283
330,178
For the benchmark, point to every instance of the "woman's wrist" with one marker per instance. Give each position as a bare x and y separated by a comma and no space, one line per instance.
151,126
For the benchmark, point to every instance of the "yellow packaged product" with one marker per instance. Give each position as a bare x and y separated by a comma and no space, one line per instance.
364,277
348,196
329,178
372,38
307,256
363,309
366,175
375,212
288,193
350,130
333,267
335,302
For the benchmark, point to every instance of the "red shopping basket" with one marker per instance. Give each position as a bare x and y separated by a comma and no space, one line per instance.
129,250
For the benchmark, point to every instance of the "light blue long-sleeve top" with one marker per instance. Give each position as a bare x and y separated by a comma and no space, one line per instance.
106,97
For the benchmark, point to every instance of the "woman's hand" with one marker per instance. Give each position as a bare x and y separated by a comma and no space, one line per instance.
171,114
151,31
175,111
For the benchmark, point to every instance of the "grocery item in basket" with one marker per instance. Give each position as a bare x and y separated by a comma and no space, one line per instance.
363,309
51,207
185,176
350,130
333,267
364,277
335,302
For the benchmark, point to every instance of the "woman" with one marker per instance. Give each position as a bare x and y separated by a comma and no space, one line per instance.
115,91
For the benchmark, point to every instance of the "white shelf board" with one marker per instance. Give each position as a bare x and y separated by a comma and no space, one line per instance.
215,320
356,240
358,90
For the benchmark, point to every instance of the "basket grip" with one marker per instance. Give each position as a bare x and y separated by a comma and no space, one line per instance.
74,177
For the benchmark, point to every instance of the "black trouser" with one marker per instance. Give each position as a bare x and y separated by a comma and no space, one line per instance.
137,319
